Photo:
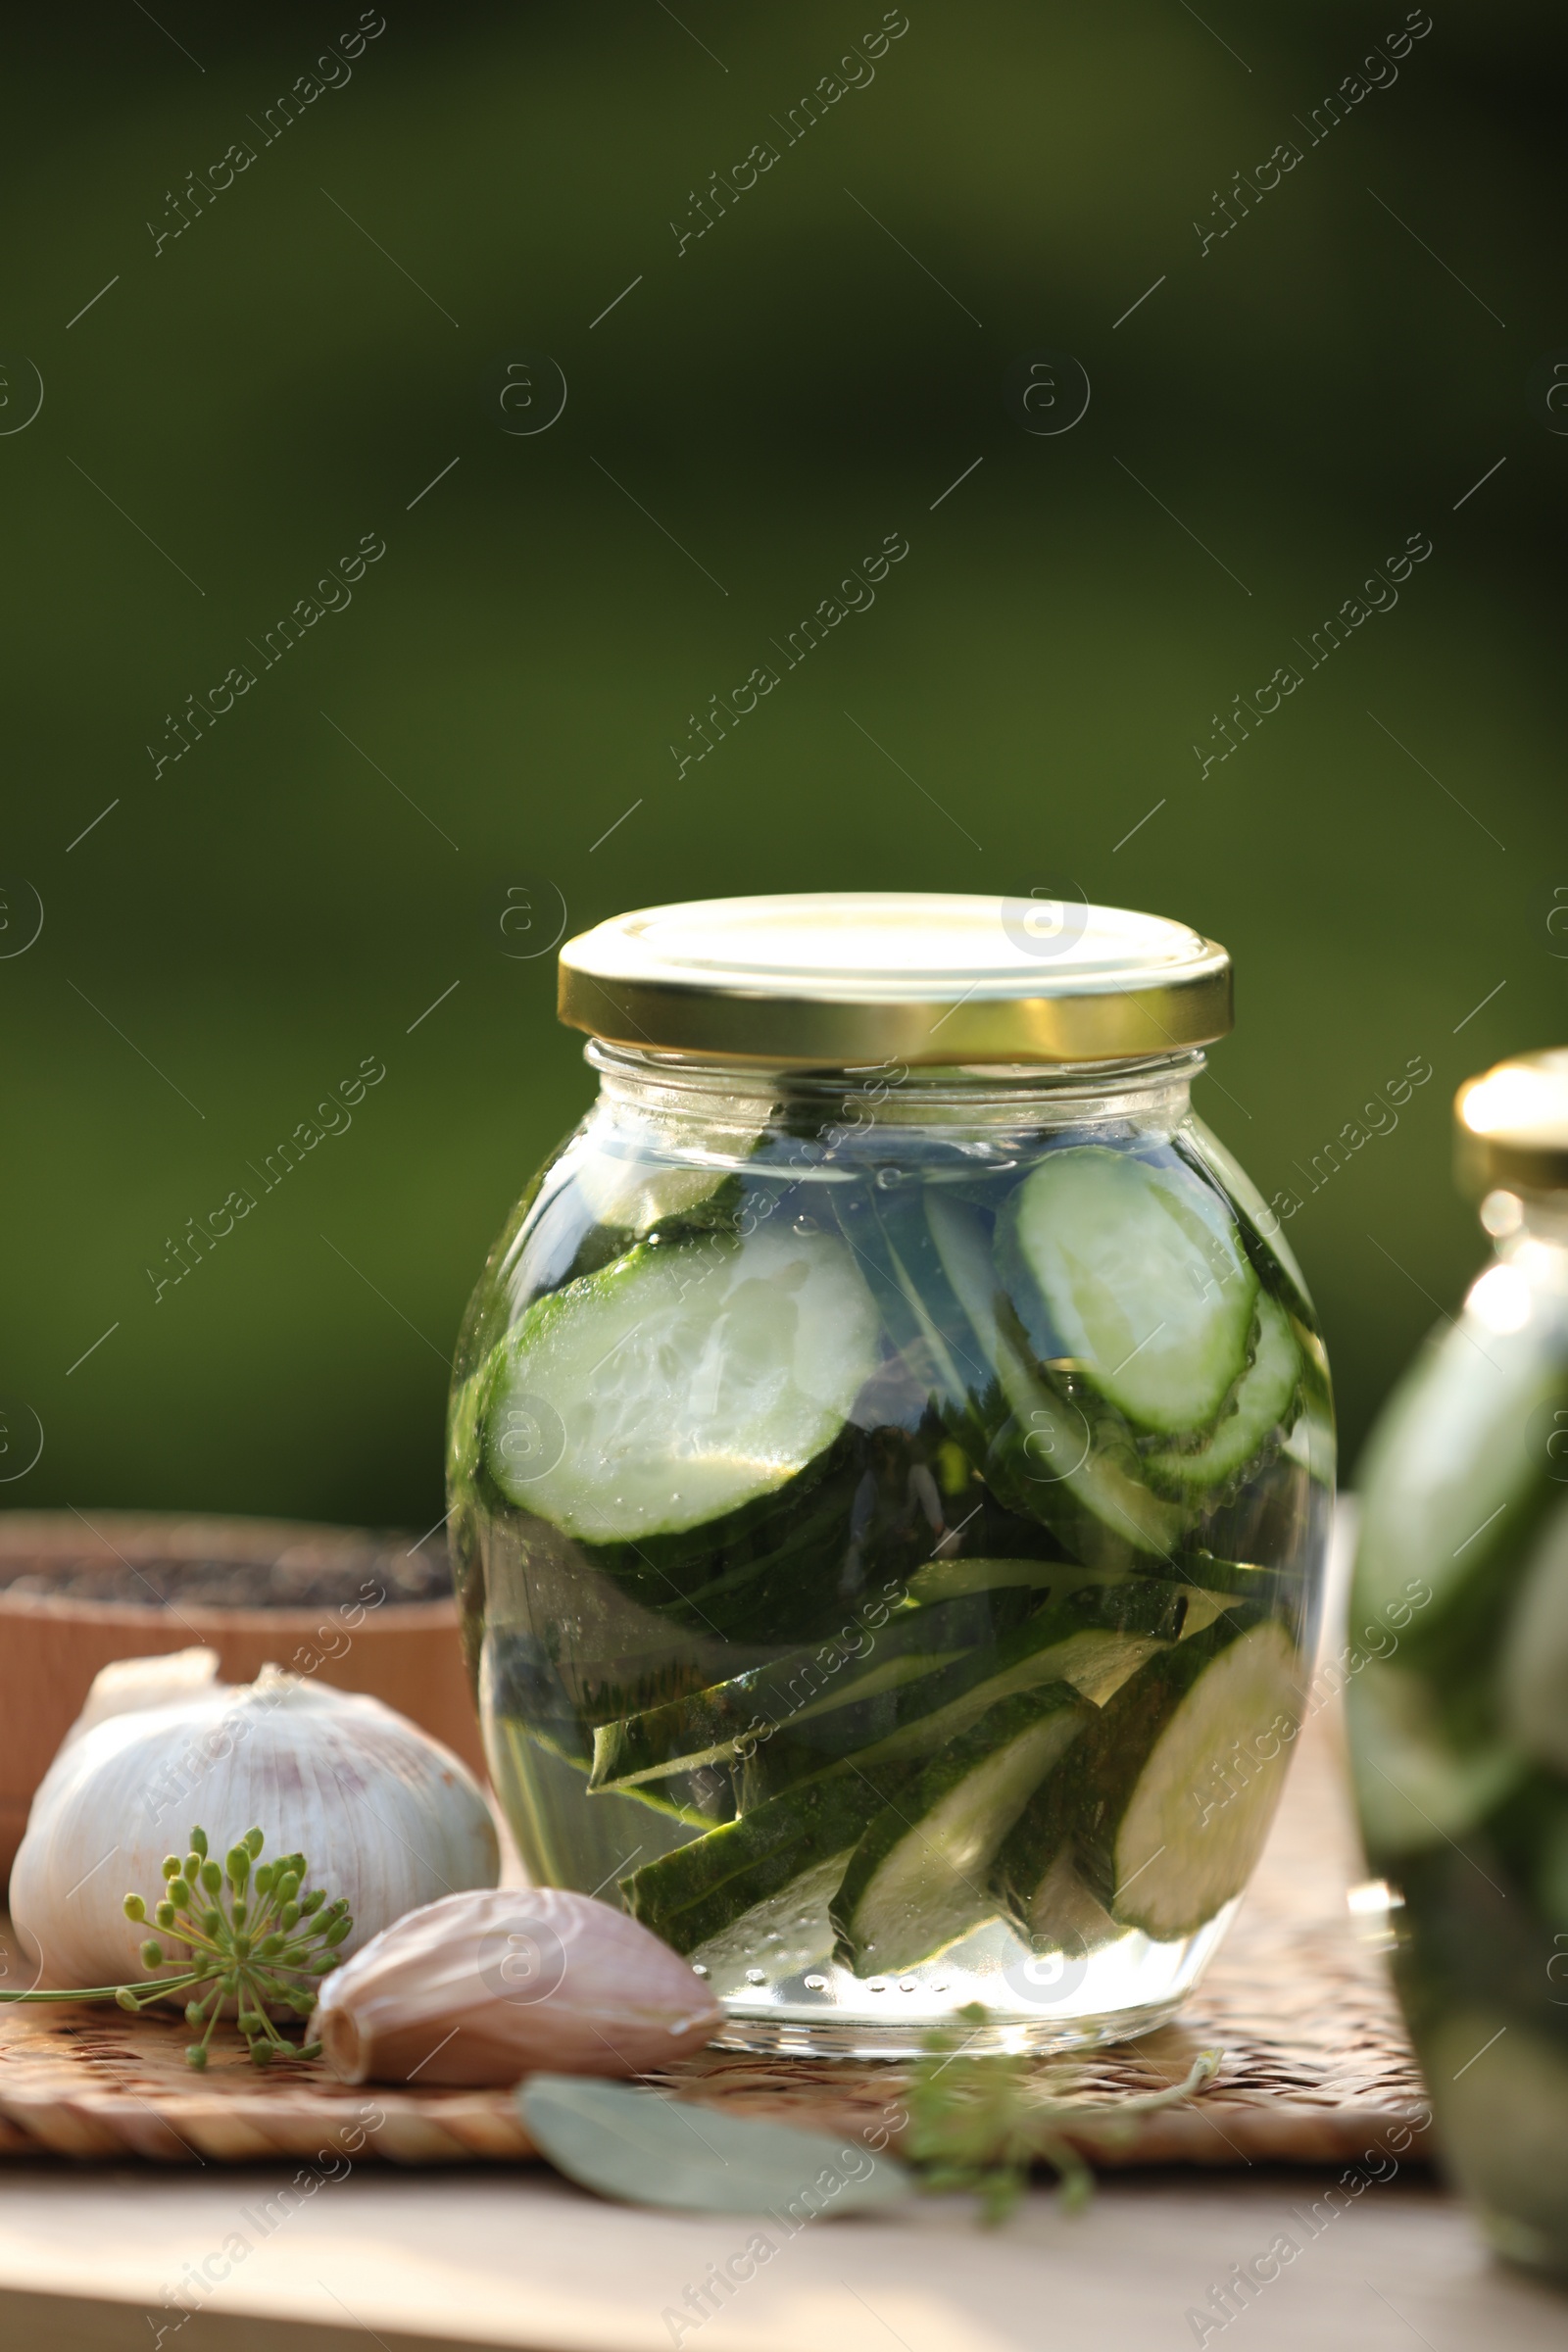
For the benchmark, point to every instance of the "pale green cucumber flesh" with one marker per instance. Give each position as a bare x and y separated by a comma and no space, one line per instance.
1093,1640
1416,1787
633,1196
1261,1399
1190,1768
1059,1913
724,1722
1060,1445
951,1580
1054,1440
920,1877
1143,1277
679,1383
784,1932
1453,1476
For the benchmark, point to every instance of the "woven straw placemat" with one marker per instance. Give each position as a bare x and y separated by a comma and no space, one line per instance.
1317,2067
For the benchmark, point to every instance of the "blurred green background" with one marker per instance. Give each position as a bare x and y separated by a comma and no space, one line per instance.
327,338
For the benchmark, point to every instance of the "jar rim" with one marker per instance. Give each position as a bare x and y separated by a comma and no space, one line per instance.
905,1095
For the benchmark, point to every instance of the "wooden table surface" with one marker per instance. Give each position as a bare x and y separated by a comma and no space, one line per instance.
90,2262
150,2259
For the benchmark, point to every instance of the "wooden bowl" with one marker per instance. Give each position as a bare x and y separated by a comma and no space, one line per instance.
363,1612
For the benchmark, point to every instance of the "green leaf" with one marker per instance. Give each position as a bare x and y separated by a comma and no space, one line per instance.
647,2149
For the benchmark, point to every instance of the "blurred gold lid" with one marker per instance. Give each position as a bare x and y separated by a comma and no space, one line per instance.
1512,1125
835,979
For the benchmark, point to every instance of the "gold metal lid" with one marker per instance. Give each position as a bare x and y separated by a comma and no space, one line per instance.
1512,1125
836,979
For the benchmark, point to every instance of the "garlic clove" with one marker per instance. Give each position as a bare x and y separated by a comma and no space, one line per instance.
388,1818
488,1986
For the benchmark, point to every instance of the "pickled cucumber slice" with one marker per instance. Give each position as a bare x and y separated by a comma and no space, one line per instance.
1093,1640
893,1249
1062,1915
1178,1786
1143,1278
707,1887
1262,1398
921,1876
950,1580
1501,2093
1416,1787
1037,1852
784,1933
1046,1452
720,1721
680,1383
1533,1665
633,1196
1456,1477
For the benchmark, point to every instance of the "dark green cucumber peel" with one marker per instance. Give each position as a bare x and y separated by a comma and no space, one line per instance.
764,1574
723,1720
1257,1412
1039,1839
1211,1586
1070,1464
1174,1789
1273,1260
705,1888
666,1205
792,1566
921,1876
939,1580
735,1575
1093,1638
1240,1580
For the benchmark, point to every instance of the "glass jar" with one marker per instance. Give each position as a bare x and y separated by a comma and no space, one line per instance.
1458,1707
891,1458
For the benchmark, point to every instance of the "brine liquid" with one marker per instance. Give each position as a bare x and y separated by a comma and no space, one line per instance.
774,1971
568,1637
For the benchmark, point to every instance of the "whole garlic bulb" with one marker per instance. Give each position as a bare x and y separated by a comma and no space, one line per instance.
385,1816
487,1987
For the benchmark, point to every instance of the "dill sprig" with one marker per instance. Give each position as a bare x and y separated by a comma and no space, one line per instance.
977,2125
250,1938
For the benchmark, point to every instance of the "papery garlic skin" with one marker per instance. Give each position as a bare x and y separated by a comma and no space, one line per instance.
488,1988
385,1815
134,1685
